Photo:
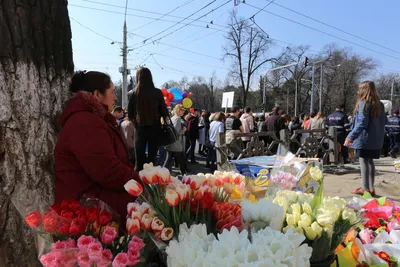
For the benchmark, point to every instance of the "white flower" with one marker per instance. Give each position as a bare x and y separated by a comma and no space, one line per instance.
349,214
250,211
316,173
327,217
296,208
305,219
307,208
317,228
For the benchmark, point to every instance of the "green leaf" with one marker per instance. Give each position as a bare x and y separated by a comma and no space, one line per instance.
381,201
367,195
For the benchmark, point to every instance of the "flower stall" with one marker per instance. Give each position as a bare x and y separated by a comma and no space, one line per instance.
221,219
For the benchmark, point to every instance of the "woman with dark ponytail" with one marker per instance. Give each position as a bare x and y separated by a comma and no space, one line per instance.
146,108
90,155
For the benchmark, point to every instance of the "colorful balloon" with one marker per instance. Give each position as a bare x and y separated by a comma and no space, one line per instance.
184,94
164,92
177,95
190,94
187,103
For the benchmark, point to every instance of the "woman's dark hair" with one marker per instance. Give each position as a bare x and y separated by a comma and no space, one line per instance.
145,102
295,120
90,82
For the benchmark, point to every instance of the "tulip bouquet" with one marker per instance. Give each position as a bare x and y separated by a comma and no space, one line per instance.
173,202
323,220
90,251
195,247
227,215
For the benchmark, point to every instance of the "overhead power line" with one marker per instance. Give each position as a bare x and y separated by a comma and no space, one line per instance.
334,27
99,34
326,33
131,15
204,7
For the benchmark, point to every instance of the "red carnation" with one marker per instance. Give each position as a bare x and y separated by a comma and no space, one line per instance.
34,219
92,213
104,218
77,227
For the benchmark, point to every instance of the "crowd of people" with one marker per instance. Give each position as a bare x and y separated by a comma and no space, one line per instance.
101,146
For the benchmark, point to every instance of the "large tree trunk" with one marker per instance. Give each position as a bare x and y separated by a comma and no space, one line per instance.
35,68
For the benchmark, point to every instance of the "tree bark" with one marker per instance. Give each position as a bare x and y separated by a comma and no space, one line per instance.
35,68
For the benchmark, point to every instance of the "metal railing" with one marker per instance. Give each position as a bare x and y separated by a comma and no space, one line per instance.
302,143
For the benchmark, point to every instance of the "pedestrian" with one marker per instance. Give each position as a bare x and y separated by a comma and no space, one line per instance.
128,133
318,123
233,126
340,121
193,130
367,133
275,124
119,115
260,123
393,128
202,135
247,121
207,123
216,127
90,155
146,108
175,150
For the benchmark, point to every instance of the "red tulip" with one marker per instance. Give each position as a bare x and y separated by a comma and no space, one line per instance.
77,227
67,213
157,225
74,205
63,227
104,218
50,224
34,219
64,204
92,214
57,208
133,188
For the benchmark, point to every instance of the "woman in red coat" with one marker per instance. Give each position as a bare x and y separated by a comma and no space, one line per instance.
90,155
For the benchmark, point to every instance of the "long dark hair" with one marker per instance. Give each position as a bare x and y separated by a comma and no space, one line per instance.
145,111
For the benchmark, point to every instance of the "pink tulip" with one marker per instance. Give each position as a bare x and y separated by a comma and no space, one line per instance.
121,260
366,236
384,212
48,259
95,251
84,260
109,235
107,254
70,243
136,244
133,258
393,225
84,241
133,188
132,226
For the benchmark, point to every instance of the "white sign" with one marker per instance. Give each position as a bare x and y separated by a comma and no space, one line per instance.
227,99
388,105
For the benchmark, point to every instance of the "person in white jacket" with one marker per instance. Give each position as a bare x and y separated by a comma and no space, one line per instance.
247,120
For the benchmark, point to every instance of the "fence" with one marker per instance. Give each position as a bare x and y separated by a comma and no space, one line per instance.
316,143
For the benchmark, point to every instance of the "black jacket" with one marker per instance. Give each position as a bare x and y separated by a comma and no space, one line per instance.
339,120
274,124
155,103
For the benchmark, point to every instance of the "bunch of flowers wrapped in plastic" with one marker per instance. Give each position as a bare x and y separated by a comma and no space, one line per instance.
82,234
268,247
323,220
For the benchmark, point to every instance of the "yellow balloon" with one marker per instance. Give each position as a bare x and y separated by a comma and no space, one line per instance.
187,103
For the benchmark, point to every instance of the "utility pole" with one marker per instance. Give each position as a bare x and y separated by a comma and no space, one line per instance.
212,95
391,96
312,89
320,87
124,70
295,97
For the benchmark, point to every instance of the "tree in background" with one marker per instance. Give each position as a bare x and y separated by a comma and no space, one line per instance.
36,67
248,47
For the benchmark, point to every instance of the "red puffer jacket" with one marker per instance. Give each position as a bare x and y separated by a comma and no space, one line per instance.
90,155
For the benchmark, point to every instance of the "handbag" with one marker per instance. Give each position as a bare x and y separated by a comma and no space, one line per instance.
168,133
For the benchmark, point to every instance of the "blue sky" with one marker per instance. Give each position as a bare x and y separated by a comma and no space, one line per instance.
375,21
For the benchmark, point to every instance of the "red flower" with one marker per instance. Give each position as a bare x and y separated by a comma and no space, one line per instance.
67,213
63,227
64,204
80,212
104,218
77,227
227,215
373,221
34,219
74,205
50,224
207,201
92,213
50,214
57,208
371,204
